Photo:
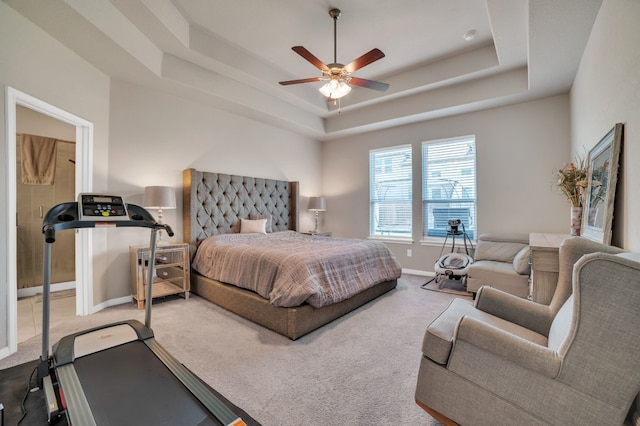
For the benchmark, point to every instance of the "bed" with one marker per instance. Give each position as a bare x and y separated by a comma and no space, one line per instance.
214,205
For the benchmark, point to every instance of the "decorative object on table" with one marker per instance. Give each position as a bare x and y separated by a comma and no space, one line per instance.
317,204
159,197
600,194
572,181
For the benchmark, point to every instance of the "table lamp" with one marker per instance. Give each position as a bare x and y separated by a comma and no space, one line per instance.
317,204
159,197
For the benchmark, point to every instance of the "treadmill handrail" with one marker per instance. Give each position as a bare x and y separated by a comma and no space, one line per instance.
65,216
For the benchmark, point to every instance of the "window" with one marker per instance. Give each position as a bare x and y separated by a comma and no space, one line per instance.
448,185
390,180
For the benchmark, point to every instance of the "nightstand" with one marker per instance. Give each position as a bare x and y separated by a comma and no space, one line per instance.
317,234
545,265
171,271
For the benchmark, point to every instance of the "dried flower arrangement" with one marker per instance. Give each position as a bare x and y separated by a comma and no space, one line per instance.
572,181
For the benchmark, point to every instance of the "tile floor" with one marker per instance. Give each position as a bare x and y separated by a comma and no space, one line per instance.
63,306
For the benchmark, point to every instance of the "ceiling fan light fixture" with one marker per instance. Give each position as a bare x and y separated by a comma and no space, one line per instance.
335,89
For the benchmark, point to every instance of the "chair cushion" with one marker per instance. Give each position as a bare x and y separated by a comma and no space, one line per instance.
499,275
498,251
438,339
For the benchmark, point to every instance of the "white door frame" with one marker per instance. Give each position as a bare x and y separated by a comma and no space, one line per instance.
83,182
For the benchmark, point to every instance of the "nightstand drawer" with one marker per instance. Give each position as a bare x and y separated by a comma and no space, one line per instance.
171,272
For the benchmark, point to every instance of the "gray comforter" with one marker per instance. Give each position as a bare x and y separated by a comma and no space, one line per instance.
290,269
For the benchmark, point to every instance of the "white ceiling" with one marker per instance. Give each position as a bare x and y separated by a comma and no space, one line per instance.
232,54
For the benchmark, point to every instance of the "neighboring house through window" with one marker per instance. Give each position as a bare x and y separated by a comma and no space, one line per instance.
390,180
448,185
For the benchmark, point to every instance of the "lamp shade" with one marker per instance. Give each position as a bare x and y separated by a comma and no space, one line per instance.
159,197
317,204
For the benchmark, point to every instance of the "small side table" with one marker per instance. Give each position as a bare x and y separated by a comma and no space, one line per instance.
317,234
545,265
171,276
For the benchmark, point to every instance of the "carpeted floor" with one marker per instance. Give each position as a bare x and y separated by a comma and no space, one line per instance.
445,285
359,370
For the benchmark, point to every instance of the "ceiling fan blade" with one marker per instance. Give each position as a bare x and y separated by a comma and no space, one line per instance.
303,80
369,57
309,57
369,84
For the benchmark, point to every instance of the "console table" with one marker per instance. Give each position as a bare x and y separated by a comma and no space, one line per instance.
544,265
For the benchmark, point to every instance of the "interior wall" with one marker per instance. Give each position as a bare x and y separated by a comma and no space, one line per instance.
519,147
156,135
36,64
606,91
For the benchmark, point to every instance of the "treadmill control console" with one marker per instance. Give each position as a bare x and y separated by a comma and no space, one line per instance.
102,208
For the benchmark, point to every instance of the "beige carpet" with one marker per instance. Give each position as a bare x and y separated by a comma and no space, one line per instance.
445,285
358,370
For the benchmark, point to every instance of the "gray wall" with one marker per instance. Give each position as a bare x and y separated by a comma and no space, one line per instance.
519,147
607,91
34,63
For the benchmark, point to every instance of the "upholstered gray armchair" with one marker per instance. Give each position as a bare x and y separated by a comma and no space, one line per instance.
504,360
501,261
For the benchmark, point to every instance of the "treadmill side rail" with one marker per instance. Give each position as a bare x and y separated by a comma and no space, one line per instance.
78,409
195,386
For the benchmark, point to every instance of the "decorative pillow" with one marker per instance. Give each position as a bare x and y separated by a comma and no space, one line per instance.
497,251
253,226
522,261
267,227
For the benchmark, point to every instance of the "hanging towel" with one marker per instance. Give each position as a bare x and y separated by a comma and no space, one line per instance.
38,159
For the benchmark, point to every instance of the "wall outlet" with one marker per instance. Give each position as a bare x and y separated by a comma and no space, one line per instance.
409,253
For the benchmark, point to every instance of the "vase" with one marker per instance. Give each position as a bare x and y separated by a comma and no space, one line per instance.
576,220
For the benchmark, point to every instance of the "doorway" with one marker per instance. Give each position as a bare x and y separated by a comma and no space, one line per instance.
83,183
45,176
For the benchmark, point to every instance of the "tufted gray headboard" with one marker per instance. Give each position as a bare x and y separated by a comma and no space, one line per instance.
214,203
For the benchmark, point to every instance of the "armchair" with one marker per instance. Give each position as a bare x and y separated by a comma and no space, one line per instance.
504,360
501,261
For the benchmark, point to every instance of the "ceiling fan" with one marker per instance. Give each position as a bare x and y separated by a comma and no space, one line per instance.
338,76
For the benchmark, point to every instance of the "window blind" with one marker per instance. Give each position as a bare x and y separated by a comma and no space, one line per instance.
448,185
390,180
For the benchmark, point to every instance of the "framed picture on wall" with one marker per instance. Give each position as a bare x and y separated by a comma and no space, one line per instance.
602,176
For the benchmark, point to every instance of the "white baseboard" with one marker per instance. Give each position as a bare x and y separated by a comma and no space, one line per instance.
32,291
418,272
111,302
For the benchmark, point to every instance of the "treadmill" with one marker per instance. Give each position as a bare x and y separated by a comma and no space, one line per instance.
117,374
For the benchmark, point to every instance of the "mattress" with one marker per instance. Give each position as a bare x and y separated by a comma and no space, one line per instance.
290,269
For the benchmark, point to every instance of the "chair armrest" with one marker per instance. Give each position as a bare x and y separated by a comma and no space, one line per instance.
517,310
509,347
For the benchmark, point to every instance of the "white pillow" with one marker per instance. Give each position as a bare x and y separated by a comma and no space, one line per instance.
267,227
253,226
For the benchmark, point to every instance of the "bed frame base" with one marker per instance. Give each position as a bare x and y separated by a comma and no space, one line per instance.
290,322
